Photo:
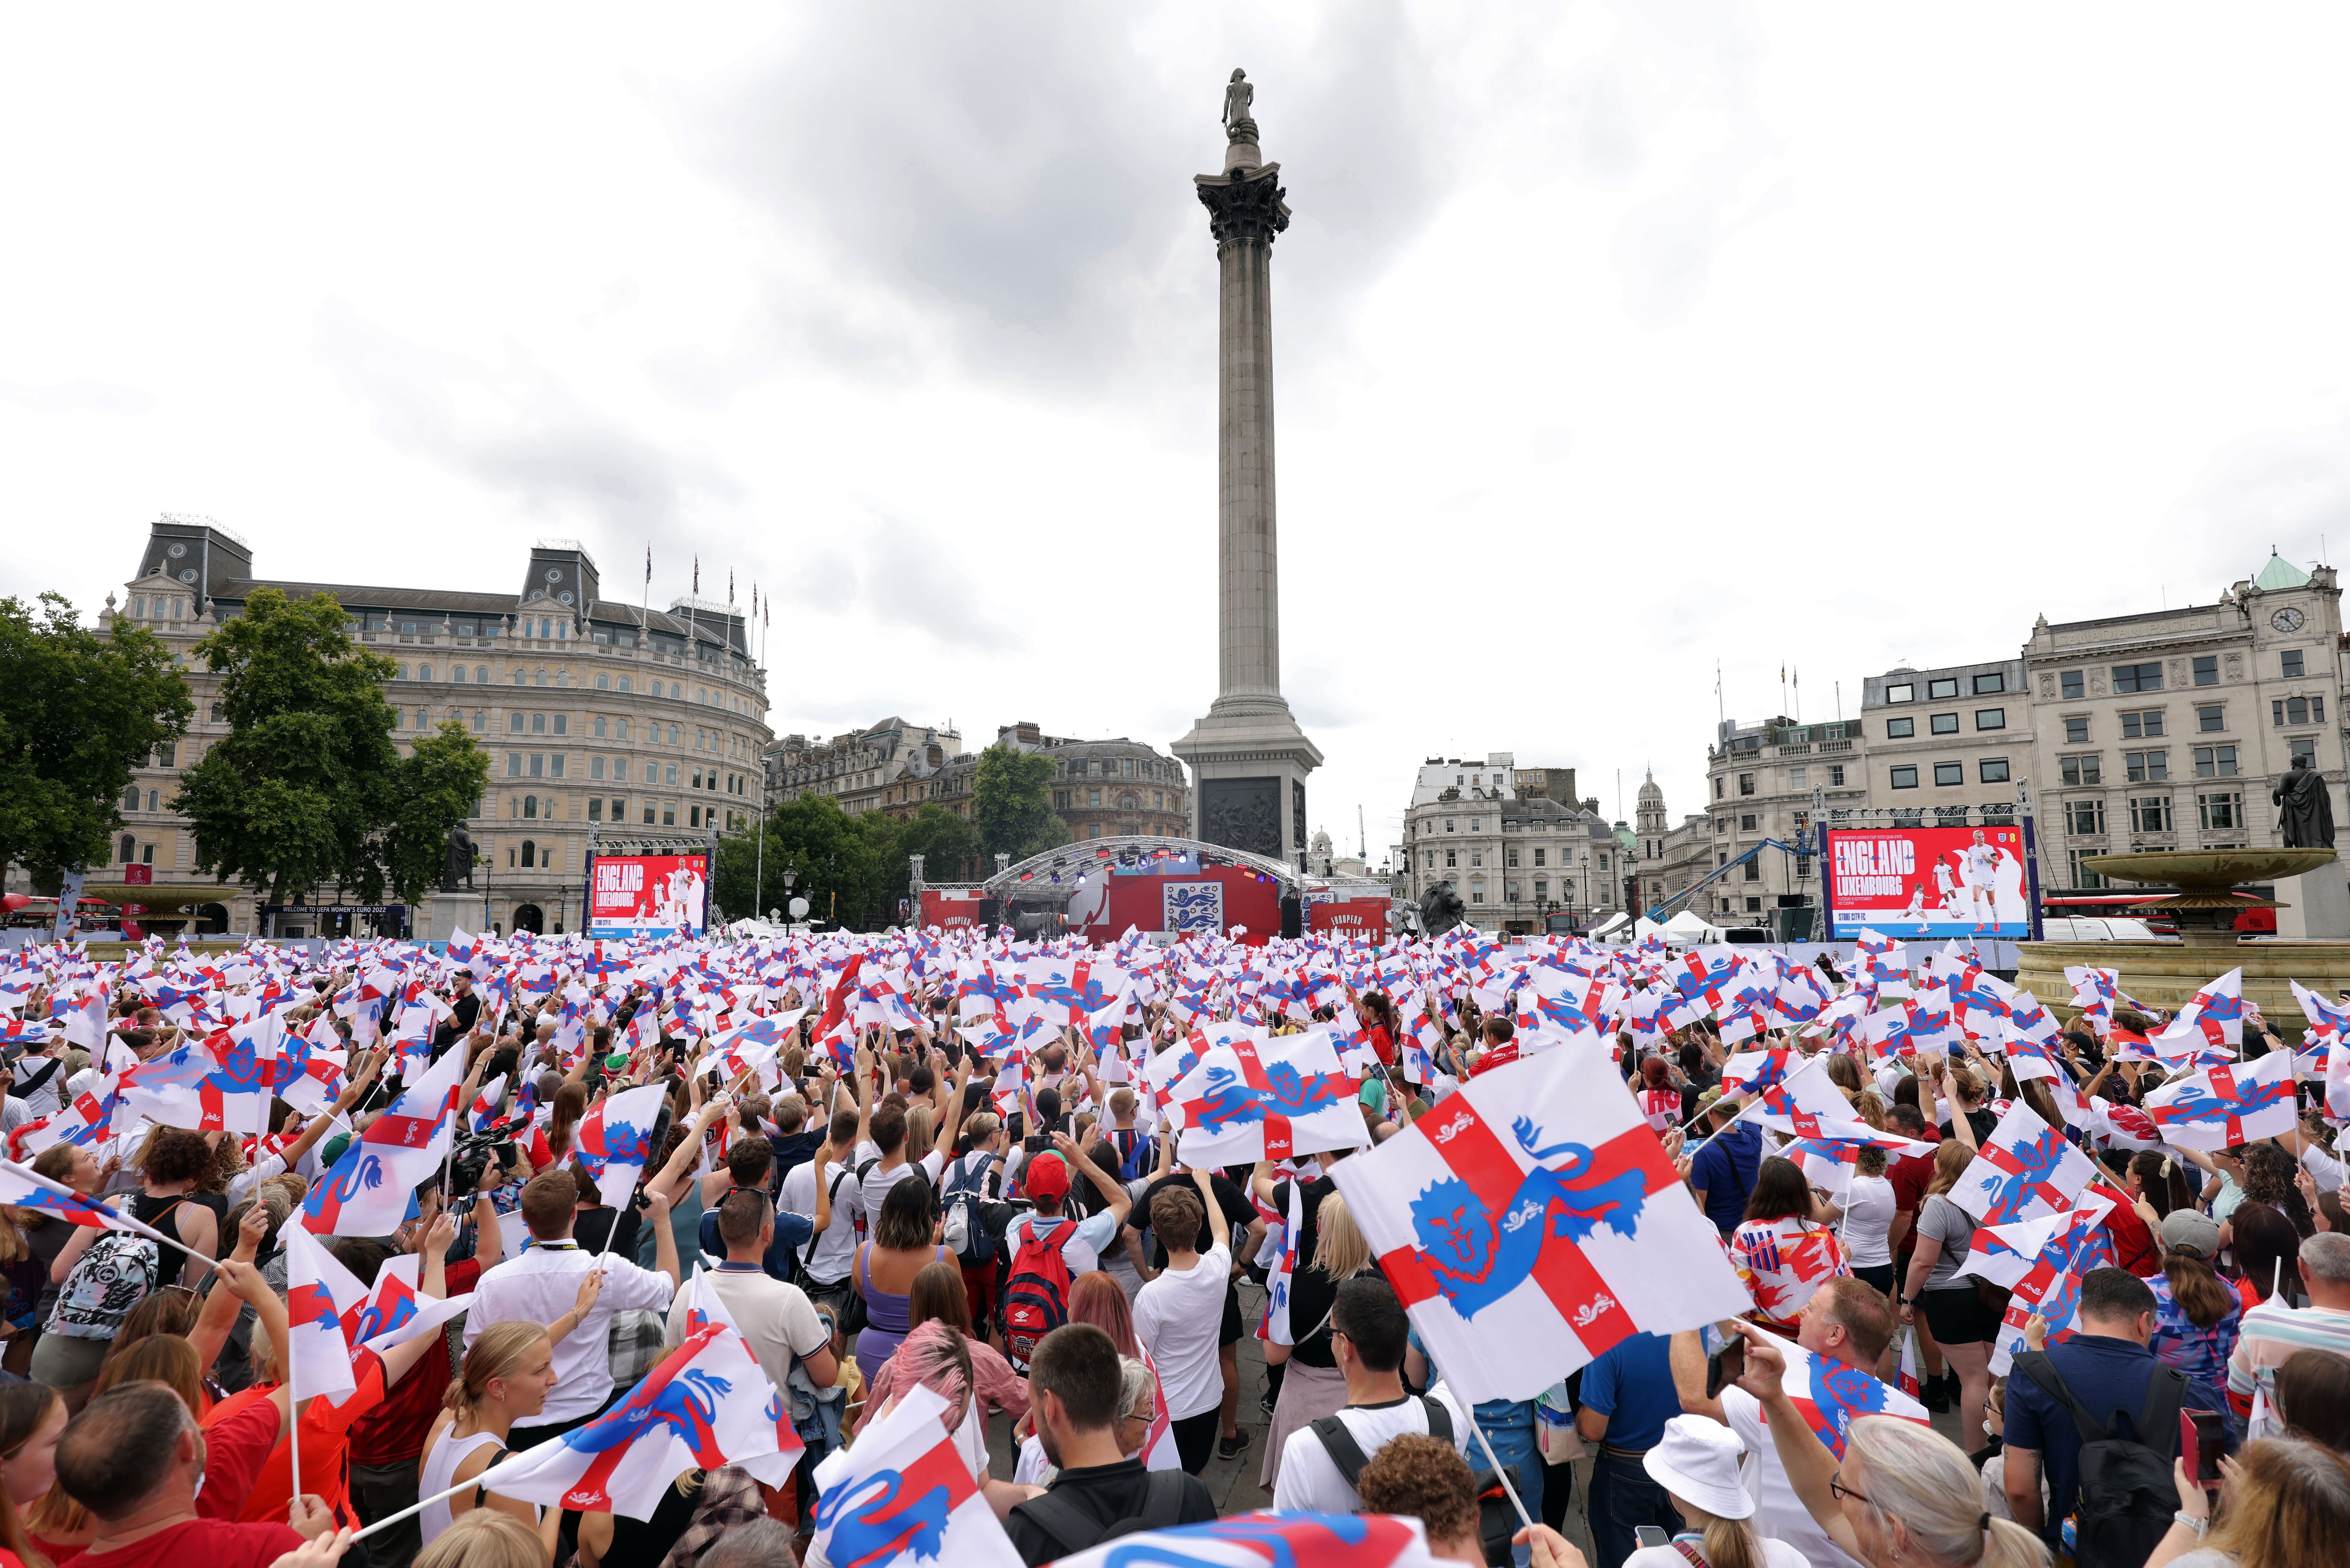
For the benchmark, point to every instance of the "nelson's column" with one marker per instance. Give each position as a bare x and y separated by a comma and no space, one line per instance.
1248,757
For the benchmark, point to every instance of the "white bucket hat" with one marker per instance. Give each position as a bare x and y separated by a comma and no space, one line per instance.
1698,1459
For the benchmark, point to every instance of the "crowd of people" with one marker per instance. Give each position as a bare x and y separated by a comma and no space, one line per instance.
911,1191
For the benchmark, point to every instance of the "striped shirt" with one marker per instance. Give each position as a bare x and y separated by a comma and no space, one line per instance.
2272,1333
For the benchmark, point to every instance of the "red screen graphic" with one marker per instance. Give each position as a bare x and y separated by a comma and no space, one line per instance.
648,895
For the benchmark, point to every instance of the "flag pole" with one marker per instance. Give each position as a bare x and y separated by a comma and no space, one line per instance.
293,1416
1485,1443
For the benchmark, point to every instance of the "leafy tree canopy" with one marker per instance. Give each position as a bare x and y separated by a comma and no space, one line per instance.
1012,804
79,710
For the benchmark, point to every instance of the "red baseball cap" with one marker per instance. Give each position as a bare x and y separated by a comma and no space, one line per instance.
1046,1177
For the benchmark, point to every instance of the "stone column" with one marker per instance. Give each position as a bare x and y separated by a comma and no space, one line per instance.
1248,757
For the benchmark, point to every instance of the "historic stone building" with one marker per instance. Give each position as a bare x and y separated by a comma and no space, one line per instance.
1669,857
2168,730
1514,857
598,716
884,767
1949,746
1767,780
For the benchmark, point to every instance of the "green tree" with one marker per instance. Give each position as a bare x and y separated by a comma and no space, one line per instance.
1011,804
949,848
841,863
432,790
306,782
79,709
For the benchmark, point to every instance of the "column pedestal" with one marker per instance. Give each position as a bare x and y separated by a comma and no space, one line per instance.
2317,904
448,913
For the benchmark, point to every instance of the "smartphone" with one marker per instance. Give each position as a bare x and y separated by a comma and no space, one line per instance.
2202,1438
1651,1535
1725,1366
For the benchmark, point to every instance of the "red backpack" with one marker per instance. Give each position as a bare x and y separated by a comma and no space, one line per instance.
1037,1295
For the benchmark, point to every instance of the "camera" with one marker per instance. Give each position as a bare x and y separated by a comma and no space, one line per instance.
475,1154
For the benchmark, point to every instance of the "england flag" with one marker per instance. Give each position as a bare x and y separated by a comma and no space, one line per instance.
2222,1106
1531,1221
2026,1169
906,1494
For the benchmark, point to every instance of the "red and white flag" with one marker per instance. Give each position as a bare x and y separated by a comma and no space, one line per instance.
706,1405
906,1493
321,1298
2222,1106
1531,1221
2026,1169
1268,1098
1266,1540
1832,1396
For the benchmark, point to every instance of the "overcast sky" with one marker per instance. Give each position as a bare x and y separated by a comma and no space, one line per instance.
1612,339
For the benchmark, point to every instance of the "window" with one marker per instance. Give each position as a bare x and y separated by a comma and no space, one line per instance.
1476,857
1753,905
620,809
2210,718
1991,718
1510,857
2298,711
1905,778
1476,892
1937,690
1754,869
2149,814
1949,773
1900,729
2146,767
563,723
2137,677
424,673
1987,684
620,767
457,673
154,800
2082,875
668,814
595,767
1093,798
514,765
670,776
1943,723
2076,732
131,798
1452,859
539,724
1515,894
595,808
619,729
1746,783
1746,823
1836,775
2291,657
2221,810
624,684
2069,683
2084,770
1448,824
167,755
2303,746
1903,694
1798,777
529,854
514,723
1717,787
1542,886
1992,770
2085,816
2145,723
2215,762
2207,669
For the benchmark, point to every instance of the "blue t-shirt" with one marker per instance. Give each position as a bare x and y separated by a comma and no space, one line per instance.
2105,1375
1632,1385
1724,1171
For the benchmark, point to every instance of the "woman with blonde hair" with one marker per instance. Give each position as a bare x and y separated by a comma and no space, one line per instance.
505,1377
1330,1250
2283,1503
1902,1496
485,1538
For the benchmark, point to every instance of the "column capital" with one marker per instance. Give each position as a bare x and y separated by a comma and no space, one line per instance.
1245,204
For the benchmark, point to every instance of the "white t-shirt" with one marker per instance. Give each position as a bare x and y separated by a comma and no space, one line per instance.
1309,1476
1779,1513
540,1286
1775,1554
775,1317
835,1244
1867,1220
879,1181
1178,1317
1080,1246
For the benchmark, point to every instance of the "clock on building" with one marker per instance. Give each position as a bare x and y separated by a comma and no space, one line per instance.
2287,619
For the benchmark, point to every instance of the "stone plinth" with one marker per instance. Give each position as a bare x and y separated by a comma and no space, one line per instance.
2316,904
448,913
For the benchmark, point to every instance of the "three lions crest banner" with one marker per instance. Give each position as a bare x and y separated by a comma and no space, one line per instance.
1531,1220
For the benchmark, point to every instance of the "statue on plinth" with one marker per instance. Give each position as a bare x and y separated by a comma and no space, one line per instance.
2304,808
457,871
1238,94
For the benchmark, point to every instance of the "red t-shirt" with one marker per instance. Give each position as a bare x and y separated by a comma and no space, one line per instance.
1910,1175
2134,1246
238,1436
213,1542
393,1432
1382,1043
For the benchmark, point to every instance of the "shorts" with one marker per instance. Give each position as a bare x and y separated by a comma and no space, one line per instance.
1231,1330
1960,1316
1880,1275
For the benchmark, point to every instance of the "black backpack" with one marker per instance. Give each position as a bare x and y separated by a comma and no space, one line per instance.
962,1223
1497,1517
1074,1530
2126,1498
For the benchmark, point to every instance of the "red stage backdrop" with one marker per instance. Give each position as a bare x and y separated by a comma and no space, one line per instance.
950,909
1215,896
1349,916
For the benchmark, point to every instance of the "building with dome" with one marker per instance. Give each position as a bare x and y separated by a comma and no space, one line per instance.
2167,729
1668,856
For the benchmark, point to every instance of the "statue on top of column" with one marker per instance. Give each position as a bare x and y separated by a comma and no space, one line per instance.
1238,94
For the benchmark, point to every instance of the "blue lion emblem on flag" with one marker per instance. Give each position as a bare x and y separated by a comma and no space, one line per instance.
687,1405
2011,1191
1840,1395
1477,1258
624,1144
1231,1102
1192,906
